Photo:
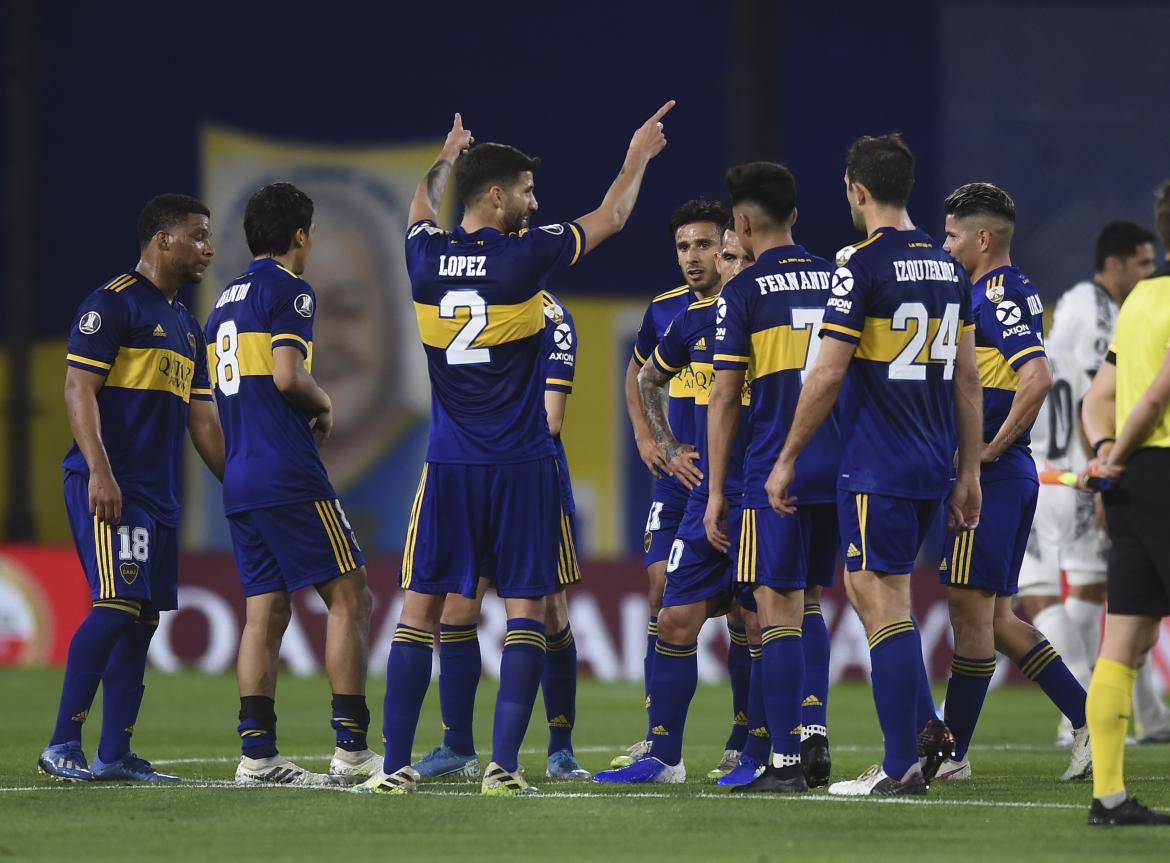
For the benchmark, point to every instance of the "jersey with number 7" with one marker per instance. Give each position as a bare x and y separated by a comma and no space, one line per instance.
903,301
478,301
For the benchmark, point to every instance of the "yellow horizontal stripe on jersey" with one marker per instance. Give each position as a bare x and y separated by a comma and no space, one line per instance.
97,364
558,382
253,356
664,364
731,358
994,371
576,239
293,337
778,349
837,328
157,369
673,292
881,342
1035,349
505,323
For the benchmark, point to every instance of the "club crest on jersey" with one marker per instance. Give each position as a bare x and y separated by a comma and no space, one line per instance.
129,572
995,293
555,230
90,323
842,281
553,312
563,337
720,310
646,540
844,255
304,305
1008,313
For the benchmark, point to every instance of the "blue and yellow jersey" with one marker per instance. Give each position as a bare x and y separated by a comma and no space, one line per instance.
478,299
904,302
687,352
680,408
150,352
1009,331
272,458
560,363
768,322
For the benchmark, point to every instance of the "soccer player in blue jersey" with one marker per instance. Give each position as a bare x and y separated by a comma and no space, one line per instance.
767,335
488,501
288,528
698,575
981,567
695,227
898,344
136,382
459,654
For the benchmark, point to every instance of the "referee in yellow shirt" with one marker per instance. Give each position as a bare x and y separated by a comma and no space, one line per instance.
1130,399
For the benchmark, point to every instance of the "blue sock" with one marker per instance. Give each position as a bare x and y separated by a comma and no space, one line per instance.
924,710
965,693
351,722
257,728
459,670
759,741
89,652
676,676
648,668
1043,665
815,634
122,687
520,668
783,685
739,669
559,684
896,661
408,674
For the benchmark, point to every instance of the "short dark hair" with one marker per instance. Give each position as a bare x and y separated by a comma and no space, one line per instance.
1120,239
768,185
974,199
698,210
273,215
486,165
884,165
1162,213
166,211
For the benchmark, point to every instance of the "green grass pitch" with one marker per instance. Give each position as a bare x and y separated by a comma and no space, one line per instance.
1013,809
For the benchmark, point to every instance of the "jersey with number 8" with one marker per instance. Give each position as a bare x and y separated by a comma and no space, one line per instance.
768,322
904,302
477,298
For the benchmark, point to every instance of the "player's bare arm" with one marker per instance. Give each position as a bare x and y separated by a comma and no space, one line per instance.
1098,415
817,397
680,457
966,497
429,194
207,435
554,405
1141,422
723,411
648,450
300,389
81,389
1035,382
618,203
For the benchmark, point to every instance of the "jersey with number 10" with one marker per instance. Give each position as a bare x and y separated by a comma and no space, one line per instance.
767,325
479,303
903,301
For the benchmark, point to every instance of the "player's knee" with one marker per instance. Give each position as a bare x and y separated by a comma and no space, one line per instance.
674,627
556,613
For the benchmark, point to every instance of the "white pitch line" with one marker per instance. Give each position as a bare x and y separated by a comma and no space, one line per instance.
232,759
900,801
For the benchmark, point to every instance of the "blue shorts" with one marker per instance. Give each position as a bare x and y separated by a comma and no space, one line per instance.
695,570
293,546
772,549
500,522
990,557
666,514
883,534
138,558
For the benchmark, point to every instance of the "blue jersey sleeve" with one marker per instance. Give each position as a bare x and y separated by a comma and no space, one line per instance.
555,246
560,346
292,306
733,338
201,380
97,332
1009,325
647,339
672,354
419,236
849,291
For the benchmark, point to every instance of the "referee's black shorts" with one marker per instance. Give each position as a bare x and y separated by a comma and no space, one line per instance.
1138,514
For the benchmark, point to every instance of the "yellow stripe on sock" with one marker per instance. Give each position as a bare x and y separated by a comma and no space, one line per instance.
887,631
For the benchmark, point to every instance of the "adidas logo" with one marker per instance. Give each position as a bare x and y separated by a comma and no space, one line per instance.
942,567
700,345
812,701
796,731
852,551
647,702
740,718
445,729
560,721
80,717
759,732
660,730
159,332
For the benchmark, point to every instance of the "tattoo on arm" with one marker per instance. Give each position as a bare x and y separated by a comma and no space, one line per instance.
437,182
650,384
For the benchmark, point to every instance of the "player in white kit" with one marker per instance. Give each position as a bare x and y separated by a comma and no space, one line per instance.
1067,533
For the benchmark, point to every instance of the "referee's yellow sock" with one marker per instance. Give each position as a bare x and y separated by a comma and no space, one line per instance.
1108,710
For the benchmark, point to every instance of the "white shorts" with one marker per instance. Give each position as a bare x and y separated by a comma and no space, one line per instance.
1065,536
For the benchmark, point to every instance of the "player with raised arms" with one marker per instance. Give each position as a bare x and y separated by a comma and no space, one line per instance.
898,344
981,567
488,503
768,336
